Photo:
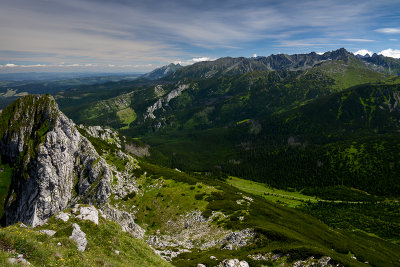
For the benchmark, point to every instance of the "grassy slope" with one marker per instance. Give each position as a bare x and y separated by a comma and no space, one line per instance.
342,207
103,239
283,229
290,199
126,116
349,73
349,132
280,229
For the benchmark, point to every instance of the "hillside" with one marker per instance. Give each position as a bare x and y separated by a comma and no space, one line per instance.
266,119
187,218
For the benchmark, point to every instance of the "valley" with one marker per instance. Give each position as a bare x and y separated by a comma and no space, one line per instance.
286,160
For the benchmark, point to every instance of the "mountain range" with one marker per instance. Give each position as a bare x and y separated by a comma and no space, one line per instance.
236,66
281,160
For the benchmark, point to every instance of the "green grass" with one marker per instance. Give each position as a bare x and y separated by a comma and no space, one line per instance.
287,230
126,116
166,194
161,200
290,199
103,239
348,74
242,121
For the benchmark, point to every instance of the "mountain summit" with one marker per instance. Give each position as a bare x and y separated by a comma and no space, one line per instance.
162,71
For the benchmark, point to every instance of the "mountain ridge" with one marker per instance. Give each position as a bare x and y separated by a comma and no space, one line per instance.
240,65
161,71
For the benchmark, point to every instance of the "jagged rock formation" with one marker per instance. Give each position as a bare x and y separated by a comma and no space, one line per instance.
55,166
228,66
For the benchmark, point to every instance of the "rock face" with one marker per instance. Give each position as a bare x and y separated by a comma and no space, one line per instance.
55,166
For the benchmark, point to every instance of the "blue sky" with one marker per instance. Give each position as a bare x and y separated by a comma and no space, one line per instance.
138,36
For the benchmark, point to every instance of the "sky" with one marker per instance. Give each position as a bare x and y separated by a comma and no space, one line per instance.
138,36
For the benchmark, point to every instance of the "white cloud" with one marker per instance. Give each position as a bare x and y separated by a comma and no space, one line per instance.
199,59
363,52
254,55
392,39
395,53
192,61
389,30
11,65
358,40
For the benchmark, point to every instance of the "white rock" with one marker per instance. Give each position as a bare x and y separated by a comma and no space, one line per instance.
117,252
63,216
213,258
233,263
89,213
19,261
79,237
58,244
124,219
201,265
48,232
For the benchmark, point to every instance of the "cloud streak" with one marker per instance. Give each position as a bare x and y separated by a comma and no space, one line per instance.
389,30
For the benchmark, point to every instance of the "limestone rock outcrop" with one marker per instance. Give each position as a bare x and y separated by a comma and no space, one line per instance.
56,167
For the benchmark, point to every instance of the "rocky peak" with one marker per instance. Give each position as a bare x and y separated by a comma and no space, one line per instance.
339,54
55,166
161,72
